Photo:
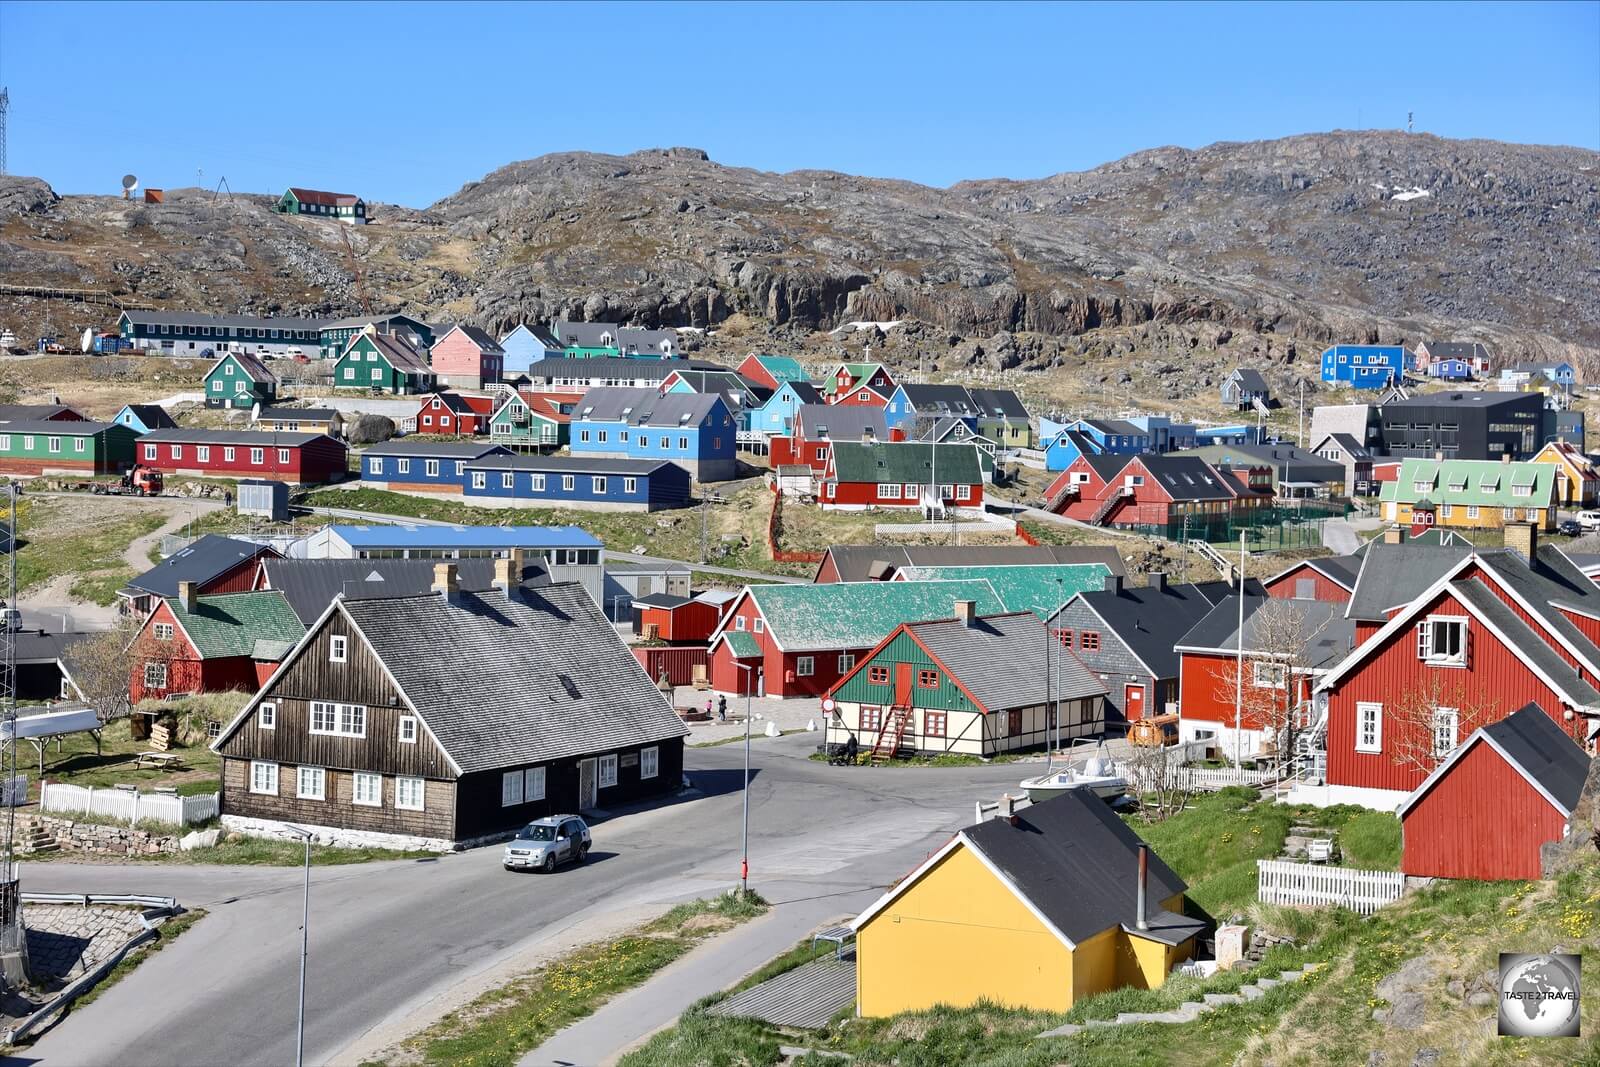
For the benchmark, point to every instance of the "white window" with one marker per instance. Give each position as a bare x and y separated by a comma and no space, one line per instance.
163,631
227,455
608,771
54,444
600,437
805,666
343,720
480,479
176,451
963,492
427,420
368,790
1472,511
377,374
258,455
510,789
683,444
149,450
338,648
567,483
283,455
887,491
264,777
408,794
408,729
402,466
508,480
374,465
536,482
349,376
738,622
759,625
649,762
431,468
847,660
1369,727
533,783
630,485
311,783
598,485
155,675
267,716
1442,641
583,435
1446,722
461,467
202,453
1265,674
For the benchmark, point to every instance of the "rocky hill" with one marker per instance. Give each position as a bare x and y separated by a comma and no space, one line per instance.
1375,236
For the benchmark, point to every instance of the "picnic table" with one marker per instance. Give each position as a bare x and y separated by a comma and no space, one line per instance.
165,760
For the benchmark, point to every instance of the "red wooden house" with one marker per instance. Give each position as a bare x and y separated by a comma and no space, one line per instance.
303,458
1493,633
1146,489
678,620
903,474
211,644
455,413
212,562
817,427
1486,811
467,358
869,384
1330,579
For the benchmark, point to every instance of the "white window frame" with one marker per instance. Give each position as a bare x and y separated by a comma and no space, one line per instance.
511,789
1365,708
568,483
375,465
805,666
430,467
758,625
163,631
359,783
338,648
53,444
630,485
649,762
606,771
283,455
227,455
311,783
408,730
403,785
264,778
267,715
258,456
155,675
480,479
1427,643
963,492
532,784
847,662
1445,743
597,484
338,720
1277,678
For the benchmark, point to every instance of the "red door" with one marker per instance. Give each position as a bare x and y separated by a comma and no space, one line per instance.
902,685
1133,702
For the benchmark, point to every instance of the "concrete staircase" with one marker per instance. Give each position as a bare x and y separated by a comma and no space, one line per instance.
1189,1010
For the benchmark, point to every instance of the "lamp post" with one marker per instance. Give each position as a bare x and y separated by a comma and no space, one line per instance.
744,832
305,916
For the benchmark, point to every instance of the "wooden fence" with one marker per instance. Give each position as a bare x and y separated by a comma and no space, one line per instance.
125,805
1317,885
775,533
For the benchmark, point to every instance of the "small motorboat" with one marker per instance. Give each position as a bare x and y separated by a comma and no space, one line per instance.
1098,775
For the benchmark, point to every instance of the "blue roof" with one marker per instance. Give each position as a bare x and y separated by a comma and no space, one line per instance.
466,536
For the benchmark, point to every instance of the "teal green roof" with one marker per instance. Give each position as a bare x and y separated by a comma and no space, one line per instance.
742,644
1472,482
783,368
910,462
860,614
1025,588
239,624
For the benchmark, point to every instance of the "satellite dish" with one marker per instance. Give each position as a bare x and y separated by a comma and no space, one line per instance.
129,182
88,339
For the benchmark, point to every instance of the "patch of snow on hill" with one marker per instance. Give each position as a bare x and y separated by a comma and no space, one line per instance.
1416,192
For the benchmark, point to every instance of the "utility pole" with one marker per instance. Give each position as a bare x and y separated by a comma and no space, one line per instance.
1238,673
13,937
5,107
1302,413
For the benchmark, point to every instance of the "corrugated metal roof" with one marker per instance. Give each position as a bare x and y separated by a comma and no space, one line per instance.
805,998
860,614
1005,661
910,462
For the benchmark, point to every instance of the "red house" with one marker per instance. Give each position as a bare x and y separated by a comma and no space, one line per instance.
1330,579
1496,631
213,563
1146,489
869,384
455,413
903,474
1486,811
303,458
211,644
818,426
677,620
467,358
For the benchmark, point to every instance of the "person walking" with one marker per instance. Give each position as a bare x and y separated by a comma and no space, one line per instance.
722,707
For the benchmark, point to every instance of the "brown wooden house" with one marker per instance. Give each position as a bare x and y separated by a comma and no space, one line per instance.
448,719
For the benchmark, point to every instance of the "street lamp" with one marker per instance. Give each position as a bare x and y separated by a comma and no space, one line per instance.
744,833
305,916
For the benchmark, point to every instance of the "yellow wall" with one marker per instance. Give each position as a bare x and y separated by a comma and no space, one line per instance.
1569,489
956,937
1489,518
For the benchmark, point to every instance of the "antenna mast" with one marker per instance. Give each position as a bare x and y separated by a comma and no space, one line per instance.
5,106
13,938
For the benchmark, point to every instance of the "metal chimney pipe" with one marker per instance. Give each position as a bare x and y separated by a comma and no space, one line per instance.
1144,876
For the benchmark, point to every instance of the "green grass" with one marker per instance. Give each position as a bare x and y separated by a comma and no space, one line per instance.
271,852
101,587
499,1027
84,538
77,762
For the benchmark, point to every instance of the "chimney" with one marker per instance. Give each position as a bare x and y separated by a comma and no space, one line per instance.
967,612
1113,584
1438,457
1139,920
1157,580
186,595
1522,538
1505,457
1394,535
446,582
508,572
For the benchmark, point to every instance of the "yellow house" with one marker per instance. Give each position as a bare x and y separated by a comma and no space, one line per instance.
1035,911
1577,484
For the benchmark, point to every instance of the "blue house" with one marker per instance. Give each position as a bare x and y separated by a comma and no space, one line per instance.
583,482
1165,435
1560,373
1450,370
694,430
527,345
142,418
1366,366
423,466
1244,433
1063,450
775,418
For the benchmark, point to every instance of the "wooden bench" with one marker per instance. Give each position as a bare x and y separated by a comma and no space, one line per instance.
165,760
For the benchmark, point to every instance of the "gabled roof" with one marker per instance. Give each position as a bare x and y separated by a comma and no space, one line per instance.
258,624
840,422
1117,427
585,334
62,427
1473,482
538,332
1073,863
940,399
1249,380
547,674
1150,620
1326,635
34,412
397,351
783,368
909,462
1039,588
1536,747
1394,575
232,322
1185,477
358,321
1004,661
1457,350
1347,444
803,391
324,199
153,416
478,337
647,407
199,561
284,414
252,367
310,585
468,450
613,367
803,618
1106,465
860,563
1341,570
999,404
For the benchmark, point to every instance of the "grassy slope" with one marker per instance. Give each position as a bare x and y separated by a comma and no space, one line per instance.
84,538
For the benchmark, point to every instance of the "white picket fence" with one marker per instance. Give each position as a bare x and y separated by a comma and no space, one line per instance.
1316,885
125,805
1200,779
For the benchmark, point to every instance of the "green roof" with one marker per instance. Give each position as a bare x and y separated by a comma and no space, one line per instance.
783,368
237,624
1023,588
1472,482
911,462
860,614
743,645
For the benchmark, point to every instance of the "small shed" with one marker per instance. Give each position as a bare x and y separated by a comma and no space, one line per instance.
674,619
1486,811
263,499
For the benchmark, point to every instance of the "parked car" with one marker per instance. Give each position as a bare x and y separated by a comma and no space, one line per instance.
545,843
1589,520
1569,528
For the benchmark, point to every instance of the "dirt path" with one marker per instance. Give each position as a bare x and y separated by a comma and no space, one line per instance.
137,555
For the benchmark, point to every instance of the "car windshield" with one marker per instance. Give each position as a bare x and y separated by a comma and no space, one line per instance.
535,832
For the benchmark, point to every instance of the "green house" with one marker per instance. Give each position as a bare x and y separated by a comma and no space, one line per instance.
383,363
30,447
335,336
345,207
532,422
240,381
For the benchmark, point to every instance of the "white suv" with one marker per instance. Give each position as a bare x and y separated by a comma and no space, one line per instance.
1589,520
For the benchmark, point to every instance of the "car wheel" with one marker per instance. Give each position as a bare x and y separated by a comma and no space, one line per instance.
549,866
583,853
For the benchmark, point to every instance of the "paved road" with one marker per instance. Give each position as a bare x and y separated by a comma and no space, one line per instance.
387,938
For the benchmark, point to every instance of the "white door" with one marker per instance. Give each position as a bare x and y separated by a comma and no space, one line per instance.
588,785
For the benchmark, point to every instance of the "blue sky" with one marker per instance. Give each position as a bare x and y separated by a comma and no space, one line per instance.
406,102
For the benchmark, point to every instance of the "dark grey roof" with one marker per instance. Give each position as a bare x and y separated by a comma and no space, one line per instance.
31,412
860,563
585,334
154,416
309,585
1534,742
480,338
1327,635
1551,582
999,403
437,449
1351,446
1150,621
1075,861
1119,427
1457,350
1187,477
1394,575
399,352
547,674
1529,646
646,407
840,422
192,318
805,392
199,561
1456,398
940,399
1249,380
358,321
540,333
253,368
639,338
1105,464
256,438
615,367
1341,569
61,427
1005,661
661,600
579,464
1288,463
40,646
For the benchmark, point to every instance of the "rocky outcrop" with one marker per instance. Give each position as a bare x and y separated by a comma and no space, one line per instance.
19,196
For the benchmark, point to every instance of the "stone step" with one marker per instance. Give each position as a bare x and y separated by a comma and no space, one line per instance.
1267,983
1064,1030
1291,976
1193,1007
1251,992
1213,999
